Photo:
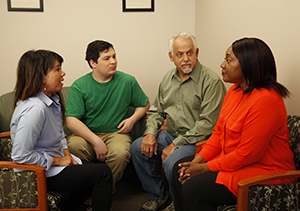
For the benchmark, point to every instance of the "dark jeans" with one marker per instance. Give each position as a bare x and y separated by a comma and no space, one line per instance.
200,192
83,181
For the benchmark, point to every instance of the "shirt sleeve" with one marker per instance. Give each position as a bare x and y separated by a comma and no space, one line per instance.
139,98
256,132
30,125
210,109
75,104
212,147
155,115
64,140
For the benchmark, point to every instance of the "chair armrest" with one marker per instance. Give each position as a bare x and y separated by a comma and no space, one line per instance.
10,164
199,145
41,180
4,134
164,126
268,177
244,185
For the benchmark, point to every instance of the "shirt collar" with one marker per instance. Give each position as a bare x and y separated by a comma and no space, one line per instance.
49,101
194,75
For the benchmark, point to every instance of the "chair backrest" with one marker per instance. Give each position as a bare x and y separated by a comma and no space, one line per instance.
6,110
20,189
25,189
293,123
5,146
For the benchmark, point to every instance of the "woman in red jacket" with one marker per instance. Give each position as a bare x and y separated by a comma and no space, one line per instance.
250,138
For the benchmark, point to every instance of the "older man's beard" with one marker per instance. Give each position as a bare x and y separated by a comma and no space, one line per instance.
186,70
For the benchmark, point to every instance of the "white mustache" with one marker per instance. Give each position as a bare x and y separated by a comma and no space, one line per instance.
189,63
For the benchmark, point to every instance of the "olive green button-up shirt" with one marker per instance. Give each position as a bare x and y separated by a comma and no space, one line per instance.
191,107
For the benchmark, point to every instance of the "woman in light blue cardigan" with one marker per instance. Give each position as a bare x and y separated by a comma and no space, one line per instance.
38,137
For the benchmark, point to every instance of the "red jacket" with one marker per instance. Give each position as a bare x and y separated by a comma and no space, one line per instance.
251,138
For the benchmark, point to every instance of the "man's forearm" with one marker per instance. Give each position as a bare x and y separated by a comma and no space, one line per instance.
80,129
140,112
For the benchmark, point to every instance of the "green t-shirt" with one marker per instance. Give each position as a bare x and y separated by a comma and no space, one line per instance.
102,106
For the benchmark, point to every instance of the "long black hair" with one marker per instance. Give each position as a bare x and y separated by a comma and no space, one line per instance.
32,67
258,65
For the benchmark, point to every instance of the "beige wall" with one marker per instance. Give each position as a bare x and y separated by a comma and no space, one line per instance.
277,22
140,39
67,26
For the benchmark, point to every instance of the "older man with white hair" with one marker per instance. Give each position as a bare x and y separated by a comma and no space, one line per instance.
190,98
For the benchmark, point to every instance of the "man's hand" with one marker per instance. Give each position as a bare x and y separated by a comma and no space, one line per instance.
149,145
100,149
126,125
190,169
167,151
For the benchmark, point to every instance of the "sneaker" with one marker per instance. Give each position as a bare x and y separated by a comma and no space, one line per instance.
170,207
154,205
89,208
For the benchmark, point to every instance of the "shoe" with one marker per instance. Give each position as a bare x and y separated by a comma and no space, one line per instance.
154,205
89,208
170,207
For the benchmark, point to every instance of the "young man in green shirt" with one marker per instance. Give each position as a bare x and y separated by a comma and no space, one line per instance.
97,109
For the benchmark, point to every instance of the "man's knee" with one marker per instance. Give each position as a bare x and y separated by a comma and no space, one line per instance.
136,145
168,167
119,156
73,145
79,147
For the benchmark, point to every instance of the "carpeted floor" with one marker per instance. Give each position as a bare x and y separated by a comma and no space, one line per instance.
129,195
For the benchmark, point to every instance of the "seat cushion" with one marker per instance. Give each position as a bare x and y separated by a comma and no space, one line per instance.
54,200
227,208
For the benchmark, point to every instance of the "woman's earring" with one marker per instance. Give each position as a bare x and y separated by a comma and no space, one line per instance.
45,88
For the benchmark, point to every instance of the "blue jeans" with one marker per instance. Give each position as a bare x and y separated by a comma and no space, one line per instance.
146,169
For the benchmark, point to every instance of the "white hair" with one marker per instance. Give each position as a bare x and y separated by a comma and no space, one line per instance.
181,34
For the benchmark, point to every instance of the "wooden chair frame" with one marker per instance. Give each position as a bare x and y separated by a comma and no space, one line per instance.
41,181
243,186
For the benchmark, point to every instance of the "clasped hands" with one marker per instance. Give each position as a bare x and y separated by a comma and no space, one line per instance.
66,160
190,169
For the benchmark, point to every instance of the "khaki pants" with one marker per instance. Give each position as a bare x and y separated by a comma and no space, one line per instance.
118,155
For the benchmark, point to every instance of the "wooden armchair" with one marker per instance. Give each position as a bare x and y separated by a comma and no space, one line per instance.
252,196
6,110
25,190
